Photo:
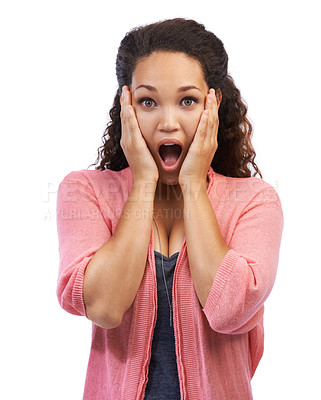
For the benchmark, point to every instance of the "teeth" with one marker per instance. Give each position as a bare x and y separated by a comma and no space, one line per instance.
169,144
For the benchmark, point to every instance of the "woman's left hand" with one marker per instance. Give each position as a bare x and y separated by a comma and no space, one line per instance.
203,147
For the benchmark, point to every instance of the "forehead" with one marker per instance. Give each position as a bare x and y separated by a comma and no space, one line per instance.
160,67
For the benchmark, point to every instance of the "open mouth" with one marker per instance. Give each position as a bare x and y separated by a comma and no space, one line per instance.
170,153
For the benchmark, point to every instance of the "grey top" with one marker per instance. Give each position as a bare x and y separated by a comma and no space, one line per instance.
163,382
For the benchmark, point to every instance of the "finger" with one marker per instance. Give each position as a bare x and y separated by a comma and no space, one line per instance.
209,109
122,104
127,95
214,103
132,120
202,126
208,99
213,116
122,94
125,133
125,104
212,106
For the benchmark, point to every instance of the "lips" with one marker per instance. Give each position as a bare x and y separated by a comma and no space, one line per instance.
170,152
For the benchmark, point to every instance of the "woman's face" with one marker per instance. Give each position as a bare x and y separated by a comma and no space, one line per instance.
168,95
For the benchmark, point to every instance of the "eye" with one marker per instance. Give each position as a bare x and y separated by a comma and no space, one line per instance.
148,103
188,101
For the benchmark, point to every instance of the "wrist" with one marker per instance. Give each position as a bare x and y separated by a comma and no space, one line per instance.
193,188
144,189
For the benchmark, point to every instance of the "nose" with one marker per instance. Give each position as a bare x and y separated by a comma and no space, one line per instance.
168,120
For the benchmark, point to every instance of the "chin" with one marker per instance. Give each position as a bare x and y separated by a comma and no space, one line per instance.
169,180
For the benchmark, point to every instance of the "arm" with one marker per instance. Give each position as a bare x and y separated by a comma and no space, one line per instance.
92,260
247,273
115,272
232,280
100,273
206,247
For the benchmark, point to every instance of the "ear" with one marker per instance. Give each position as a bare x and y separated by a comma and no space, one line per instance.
218,95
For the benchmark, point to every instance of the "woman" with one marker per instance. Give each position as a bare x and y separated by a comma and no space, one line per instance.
170,247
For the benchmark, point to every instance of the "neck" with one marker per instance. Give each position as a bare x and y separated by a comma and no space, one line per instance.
168,193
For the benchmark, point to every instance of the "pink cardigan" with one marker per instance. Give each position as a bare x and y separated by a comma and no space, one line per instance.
218,348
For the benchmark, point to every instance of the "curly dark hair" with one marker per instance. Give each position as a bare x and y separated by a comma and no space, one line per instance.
235,154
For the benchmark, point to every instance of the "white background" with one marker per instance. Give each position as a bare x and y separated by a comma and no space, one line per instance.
57,86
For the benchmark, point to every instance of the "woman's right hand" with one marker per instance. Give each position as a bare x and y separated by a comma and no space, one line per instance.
140,160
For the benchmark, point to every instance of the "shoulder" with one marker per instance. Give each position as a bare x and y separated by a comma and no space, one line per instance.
243,191
250,200
95,179
108,186
88,175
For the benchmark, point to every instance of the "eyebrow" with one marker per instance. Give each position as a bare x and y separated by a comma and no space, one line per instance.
181,89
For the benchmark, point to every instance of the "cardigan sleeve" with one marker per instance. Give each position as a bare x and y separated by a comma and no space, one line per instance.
247,273
82,229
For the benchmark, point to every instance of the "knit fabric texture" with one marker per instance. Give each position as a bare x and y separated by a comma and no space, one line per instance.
163,381
218,347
